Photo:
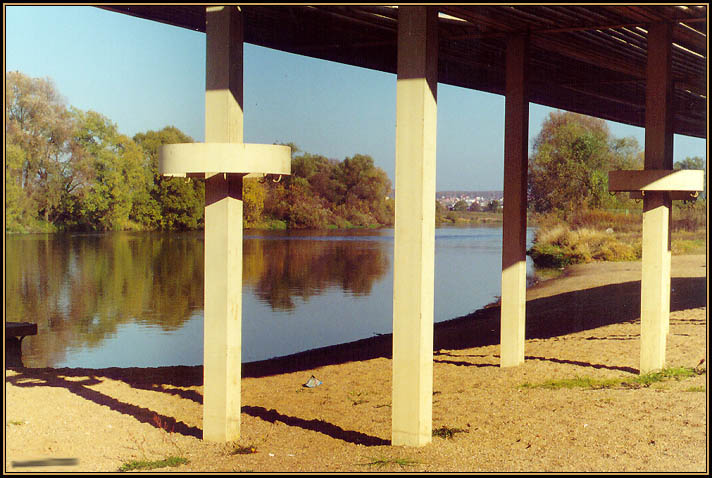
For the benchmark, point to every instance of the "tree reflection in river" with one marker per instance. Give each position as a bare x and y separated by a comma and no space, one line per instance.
81,288
281,269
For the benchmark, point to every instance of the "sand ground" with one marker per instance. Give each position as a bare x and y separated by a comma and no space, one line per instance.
583,324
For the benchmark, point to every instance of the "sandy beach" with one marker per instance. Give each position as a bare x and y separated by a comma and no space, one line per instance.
584,324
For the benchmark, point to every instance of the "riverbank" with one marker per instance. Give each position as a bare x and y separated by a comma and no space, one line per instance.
582,324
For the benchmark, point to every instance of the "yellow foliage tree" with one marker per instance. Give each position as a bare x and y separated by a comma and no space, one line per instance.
253,195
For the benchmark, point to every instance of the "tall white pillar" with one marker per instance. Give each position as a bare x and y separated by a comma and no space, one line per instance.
414,250
223,230
514,230
655,282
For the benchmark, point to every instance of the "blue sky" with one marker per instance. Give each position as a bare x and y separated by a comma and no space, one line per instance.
146,75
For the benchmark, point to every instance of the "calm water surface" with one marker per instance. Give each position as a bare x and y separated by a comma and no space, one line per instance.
136,299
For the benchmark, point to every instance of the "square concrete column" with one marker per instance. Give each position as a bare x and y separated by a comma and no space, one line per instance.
414,250
514,229
223,230
655,282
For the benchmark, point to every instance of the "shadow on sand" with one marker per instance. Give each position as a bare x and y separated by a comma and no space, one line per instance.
547,317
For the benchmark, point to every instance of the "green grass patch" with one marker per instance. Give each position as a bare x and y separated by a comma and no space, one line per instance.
641,381
577,382
153,464
676,373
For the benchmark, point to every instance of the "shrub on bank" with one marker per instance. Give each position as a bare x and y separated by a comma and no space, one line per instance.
600,235
561,245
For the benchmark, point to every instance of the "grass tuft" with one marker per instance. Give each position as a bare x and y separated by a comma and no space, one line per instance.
153,464
381,462
447,432
243,450
695,389
357,398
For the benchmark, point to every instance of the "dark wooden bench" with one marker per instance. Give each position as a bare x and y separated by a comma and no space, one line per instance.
19,330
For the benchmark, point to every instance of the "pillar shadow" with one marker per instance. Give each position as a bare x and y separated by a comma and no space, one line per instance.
461,363
320,426
78,381
56,378
585,364
161,379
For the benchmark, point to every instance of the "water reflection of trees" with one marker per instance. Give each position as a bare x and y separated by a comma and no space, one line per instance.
280,269
80,288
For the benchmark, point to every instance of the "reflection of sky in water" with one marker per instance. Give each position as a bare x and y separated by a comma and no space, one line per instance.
467,277
141,345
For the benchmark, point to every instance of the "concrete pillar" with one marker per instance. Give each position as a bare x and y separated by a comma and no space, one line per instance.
223,230
414,250
655,282
514,230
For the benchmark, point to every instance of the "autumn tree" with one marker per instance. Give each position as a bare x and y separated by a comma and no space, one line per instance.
321,192
253,195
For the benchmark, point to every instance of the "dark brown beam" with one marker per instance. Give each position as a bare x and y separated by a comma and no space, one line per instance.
591,56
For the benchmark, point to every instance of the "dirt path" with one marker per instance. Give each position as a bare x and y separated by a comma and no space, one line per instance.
584,324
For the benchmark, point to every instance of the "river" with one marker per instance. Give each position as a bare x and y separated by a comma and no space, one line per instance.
136,299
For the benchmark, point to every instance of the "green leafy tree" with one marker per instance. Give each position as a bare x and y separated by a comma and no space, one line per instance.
571,158
38,133
18,207
116,171
173,203
695,162
366,188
